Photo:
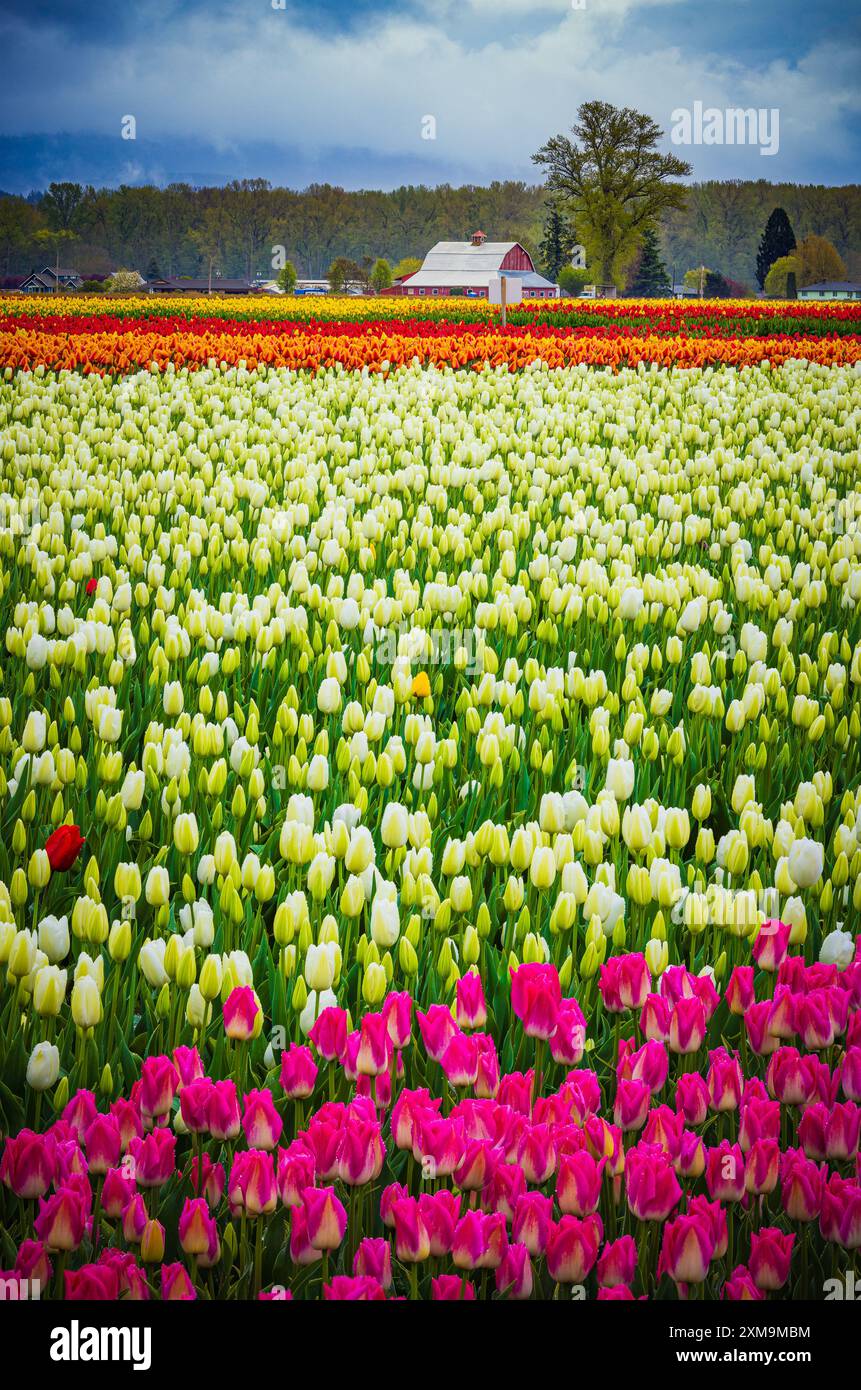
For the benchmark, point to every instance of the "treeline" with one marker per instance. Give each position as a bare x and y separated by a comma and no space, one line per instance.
241,227
722,223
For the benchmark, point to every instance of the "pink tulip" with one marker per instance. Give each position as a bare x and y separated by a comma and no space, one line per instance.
28,1166
261,1122
655,1018
814,1021
159,1080
572,1249
252,1183
770,1256
840,1218
134,1220
790,1078
302,1252
725,1081
651,1184
242,1014
514,1273
536,1153
692,1097
532,1221
632,1105
515,1090
687,1026
568,1043
224,1118
196,1227
128,1117
442,1143
361,1151
189,1065
648,1063
375,1046
176,1285
617,1263
460,1060
398,1012
296,1171
412,1240
771,944
440,1212
474,1168
298,1072
208,1179
687,1249
578,1185
760,1119
437,1028
154,1158
690,1162
361,1289
80,1112
758,1027
92,1283
505,1185
725,1172
665,1127
329,1034
450,1288
409,1108
471,1005
31,1262
487,1075
374,1258
850,1072
762,1167
195,1101
715,1217
802,1185
103,1144
625,982
740,1287
739,992
326,1216
535,999
61,1220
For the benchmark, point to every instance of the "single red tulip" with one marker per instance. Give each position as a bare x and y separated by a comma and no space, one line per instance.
63,847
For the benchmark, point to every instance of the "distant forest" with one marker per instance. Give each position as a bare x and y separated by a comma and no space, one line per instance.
177,229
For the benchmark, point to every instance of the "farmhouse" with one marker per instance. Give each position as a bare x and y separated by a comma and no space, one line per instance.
831,289
48,280
467,267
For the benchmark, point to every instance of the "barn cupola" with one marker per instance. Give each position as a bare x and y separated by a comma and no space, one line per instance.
478,238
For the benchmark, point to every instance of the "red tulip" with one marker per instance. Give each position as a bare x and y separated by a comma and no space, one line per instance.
63,847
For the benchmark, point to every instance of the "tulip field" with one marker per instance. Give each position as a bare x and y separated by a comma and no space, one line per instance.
430,799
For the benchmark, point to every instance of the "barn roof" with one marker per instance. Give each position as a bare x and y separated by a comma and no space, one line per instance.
463,257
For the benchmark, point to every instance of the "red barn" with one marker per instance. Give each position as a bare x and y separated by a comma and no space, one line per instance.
466,267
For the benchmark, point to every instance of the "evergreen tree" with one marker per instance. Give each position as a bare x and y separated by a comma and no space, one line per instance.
557,243
778,240
650,277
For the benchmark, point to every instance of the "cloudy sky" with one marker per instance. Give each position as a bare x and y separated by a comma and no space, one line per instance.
341,91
